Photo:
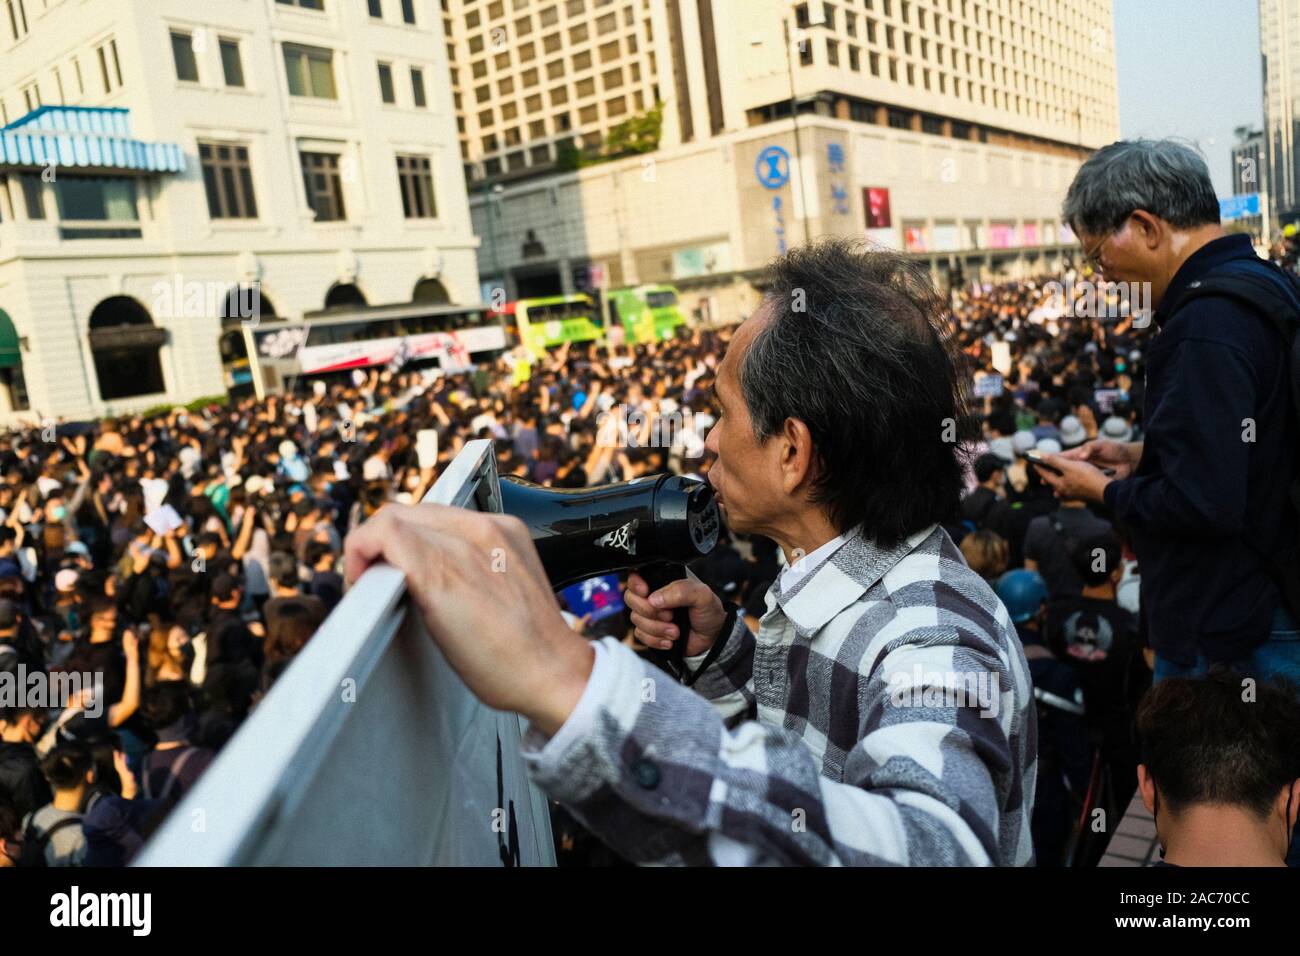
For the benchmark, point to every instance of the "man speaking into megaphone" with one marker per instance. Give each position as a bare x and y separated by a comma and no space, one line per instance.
883,712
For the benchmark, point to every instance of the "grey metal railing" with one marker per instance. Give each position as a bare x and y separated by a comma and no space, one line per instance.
369,750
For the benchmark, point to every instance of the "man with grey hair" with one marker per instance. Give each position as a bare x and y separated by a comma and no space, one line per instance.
1205,495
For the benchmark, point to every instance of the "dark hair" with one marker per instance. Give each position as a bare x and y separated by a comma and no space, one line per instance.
67,766
854,350
316,550
165,703
1084,557
10,820
289,630
282,568
987,465
1203,743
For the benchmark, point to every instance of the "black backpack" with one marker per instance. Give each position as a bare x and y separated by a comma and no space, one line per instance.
36,840
1274,294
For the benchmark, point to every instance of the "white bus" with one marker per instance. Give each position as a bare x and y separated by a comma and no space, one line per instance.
454,337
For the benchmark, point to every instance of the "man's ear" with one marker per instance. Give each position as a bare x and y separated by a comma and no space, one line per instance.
797,464
1288,802
1146,787
1152,229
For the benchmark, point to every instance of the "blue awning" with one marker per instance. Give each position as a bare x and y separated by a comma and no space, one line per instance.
80,136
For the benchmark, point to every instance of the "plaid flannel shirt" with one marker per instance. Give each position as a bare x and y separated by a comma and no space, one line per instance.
882,715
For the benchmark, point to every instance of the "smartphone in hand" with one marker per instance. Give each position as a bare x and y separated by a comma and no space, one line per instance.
1035,457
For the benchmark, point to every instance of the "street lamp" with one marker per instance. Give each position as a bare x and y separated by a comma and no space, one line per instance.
489,193
816,19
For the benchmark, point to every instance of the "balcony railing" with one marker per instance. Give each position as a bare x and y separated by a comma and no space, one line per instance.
369,750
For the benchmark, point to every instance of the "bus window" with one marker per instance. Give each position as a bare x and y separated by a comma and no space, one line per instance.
661,300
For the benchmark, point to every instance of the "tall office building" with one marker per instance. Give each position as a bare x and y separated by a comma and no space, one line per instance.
534,79
168,168
1279,45
1249,163
948,128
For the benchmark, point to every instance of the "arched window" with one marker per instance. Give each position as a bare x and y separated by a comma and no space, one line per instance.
343,295
244,305
430,292
13,387
125,342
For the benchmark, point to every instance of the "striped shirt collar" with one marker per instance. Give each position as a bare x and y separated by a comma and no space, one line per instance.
839,579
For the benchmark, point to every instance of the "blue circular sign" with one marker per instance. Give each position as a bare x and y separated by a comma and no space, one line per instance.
773,167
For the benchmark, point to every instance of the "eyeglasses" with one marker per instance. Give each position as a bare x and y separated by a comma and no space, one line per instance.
1093,259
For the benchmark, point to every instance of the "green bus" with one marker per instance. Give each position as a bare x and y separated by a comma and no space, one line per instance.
540,324
648,313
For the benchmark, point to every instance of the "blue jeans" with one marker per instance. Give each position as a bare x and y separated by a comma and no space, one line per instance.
1279,656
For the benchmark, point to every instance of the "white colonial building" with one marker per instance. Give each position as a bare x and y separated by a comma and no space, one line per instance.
167,167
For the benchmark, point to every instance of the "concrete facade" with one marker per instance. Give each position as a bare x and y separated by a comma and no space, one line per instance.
699,216
50,284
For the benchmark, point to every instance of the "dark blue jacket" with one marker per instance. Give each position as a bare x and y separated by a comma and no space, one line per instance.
1208,509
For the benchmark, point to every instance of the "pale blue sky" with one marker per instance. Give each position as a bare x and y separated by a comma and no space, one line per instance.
1190,68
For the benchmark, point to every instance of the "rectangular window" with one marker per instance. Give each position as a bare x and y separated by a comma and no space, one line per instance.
320,174
376,9
32,97
386,83
187,68
408,11
310,71
32,195
110,70
415,176
81,83
417,88
231,65
17,18
96,198
228,180
305,4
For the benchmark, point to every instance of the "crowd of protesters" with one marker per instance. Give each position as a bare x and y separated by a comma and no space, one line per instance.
180,561
187,557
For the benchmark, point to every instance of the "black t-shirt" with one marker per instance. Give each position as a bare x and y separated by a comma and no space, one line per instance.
328,586
229,639
1051,548
1099,639
976,505
160,766
104,658
1011,517
21,779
